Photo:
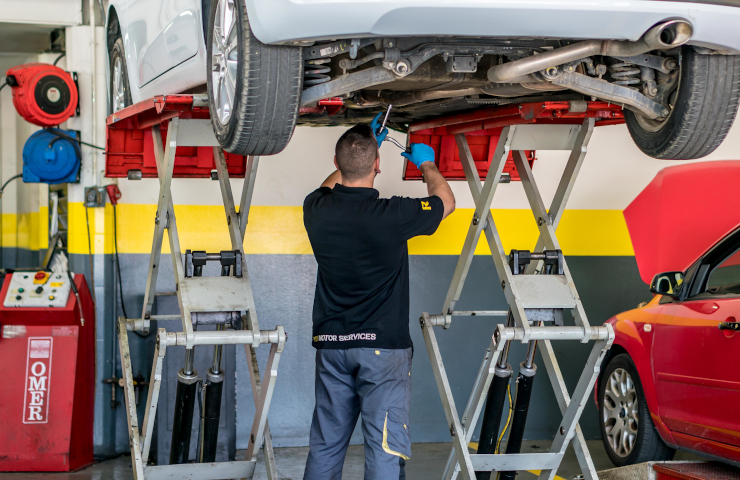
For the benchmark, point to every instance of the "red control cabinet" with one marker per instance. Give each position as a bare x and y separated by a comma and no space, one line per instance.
47,397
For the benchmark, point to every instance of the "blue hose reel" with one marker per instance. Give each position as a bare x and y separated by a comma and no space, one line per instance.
52,156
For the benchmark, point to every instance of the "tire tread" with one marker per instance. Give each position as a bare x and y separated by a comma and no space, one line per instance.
648,446
266,111
706,108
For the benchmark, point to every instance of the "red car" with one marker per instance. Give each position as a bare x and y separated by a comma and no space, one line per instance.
672,379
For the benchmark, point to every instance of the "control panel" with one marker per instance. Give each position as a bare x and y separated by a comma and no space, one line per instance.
37,289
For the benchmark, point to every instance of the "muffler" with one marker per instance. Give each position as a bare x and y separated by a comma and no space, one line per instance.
663,36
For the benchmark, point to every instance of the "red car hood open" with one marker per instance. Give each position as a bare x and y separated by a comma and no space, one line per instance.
682,213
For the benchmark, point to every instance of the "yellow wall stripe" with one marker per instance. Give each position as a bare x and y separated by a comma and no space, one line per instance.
29,231
279,230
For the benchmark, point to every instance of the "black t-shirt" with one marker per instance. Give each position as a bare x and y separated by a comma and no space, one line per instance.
359,240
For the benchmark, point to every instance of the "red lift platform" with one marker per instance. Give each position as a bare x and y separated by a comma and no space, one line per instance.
129,146
482,128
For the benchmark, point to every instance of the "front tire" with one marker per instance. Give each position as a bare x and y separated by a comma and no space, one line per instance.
119,91
254,90
627,429
703,108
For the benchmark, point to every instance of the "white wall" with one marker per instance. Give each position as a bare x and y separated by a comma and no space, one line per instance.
614,172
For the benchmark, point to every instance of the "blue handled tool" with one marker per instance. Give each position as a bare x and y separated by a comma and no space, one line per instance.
390,139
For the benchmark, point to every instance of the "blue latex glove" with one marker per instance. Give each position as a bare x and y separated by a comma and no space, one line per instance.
420,153
375,125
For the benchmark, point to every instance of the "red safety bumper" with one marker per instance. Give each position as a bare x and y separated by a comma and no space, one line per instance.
129,144
483,128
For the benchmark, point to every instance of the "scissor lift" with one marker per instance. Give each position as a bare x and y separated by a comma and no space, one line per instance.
143,141
536,301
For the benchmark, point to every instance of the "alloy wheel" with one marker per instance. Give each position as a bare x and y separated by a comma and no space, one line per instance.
119,92
224,59
621,412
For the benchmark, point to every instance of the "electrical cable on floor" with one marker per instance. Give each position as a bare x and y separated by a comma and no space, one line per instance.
508,421
3,85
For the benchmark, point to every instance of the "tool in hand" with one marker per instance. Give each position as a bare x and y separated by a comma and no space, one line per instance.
390,139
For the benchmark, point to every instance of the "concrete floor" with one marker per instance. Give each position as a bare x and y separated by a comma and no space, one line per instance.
427,462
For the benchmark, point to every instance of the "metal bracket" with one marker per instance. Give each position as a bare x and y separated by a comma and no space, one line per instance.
94,197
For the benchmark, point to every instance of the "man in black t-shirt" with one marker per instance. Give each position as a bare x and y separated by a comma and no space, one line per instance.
361,306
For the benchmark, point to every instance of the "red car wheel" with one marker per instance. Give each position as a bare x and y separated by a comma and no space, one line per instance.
627,430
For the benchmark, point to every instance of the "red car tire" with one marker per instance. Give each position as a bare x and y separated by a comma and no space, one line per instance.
627,429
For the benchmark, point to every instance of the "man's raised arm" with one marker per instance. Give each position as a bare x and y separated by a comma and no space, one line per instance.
423,157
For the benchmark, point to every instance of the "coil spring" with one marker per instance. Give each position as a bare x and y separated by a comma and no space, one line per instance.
315,71
625,74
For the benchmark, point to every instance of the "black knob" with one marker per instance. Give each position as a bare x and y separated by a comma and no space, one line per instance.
39,289
18,297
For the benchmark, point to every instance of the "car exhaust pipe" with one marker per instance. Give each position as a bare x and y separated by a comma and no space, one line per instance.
663,36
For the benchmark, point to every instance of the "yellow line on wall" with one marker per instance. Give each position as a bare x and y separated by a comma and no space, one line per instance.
279,230
29,231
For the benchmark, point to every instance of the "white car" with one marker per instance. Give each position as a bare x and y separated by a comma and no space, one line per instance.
673,65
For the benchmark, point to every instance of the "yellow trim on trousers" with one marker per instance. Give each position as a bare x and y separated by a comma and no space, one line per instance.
386,448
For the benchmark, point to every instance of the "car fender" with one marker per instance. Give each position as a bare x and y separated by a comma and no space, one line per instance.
287,21
631,336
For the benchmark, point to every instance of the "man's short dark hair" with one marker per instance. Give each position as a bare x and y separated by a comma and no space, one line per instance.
356,152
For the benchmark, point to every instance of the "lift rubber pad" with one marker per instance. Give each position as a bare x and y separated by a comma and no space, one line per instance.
129,144
696,471
483,127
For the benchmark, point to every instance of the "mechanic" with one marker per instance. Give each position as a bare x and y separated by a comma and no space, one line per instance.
361,305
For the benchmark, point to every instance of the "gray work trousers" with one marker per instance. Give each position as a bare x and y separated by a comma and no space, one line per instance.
376,383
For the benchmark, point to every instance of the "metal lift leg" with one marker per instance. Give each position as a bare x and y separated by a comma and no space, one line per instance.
531,299
197,301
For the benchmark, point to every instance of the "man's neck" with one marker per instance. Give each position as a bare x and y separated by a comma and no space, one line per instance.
367,182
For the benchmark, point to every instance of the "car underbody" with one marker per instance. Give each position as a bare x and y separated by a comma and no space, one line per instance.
677,86
348,81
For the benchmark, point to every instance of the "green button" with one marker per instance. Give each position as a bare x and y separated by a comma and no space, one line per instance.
21,290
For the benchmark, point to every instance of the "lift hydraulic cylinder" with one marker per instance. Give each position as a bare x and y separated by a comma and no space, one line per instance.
525,380
492,414
187,386
211,413
495,402
187,392
212,389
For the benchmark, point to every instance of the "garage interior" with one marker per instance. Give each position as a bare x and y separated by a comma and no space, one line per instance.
104,225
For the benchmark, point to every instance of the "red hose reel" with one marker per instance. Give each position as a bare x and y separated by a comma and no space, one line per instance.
43,94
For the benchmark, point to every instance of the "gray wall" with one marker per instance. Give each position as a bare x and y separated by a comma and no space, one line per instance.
283,288
12,257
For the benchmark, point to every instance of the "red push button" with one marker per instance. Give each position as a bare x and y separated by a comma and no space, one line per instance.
40,275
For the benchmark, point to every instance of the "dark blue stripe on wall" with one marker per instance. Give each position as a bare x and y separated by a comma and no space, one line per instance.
283,289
